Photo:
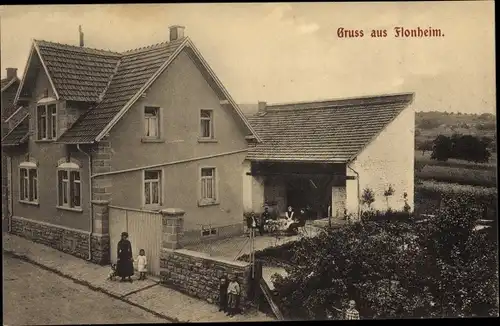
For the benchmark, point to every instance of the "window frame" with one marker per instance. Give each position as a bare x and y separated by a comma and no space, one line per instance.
159,125
211,137
160,179
26,184
204,201
68,185
50,117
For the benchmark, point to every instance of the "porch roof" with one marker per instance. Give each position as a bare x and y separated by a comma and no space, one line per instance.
332,131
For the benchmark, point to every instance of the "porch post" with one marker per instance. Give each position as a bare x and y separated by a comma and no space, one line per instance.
257,193
100,238
338,202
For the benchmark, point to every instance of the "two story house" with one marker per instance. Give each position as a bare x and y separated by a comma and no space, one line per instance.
145,129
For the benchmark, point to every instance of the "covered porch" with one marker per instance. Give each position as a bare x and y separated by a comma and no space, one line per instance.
318,188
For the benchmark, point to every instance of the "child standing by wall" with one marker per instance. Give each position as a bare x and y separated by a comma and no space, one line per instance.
233,292
223,285
141,264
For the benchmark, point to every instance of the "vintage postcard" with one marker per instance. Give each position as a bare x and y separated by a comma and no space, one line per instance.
166,163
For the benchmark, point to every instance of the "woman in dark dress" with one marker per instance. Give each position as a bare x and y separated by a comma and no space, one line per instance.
125,265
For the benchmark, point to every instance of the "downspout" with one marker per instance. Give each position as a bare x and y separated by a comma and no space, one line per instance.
91,208
359,193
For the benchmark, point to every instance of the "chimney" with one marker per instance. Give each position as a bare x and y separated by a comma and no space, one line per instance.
81,35
176,32
262,106
11,73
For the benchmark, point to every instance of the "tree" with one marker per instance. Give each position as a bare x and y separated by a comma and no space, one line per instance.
425,146
368,197
388,193
442,148
470,148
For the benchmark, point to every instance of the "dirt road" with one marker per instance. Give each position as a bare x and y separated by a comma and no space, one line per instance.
35,296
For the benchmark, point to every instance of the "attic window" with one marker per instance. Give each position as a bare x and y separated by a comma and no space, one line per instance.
46,121
206,124
151,122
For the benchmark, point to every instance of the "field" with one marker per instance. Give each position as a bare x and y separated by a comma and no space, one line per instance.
435,178
454,163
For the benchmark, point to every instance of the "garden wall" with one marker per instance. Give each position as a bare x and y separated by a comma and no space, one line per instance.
198,274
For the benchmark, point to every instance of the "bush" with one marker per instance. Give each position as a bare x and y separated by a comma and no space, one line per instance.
396,269
392,216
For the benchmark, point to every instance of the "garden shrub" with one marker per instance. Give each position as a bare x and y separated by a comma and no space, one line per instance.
396,269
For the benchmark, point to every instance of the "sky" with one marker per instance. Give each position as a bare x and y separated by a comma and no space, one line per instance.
285,52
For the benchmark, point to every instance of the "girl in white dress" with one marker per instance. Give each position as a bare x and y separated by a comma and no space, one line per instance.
141,264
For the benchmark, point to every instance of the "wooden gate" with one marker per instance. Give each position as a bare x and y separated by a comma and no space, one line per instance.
144,229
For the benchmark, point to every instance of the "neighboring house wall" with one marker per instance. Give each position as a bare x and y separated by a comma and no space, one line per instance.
46,223
387,160
8,96
181,91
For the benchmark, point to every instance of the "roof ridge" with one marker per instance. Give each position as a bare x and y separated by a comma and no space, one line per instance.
350,101
143,48
80,48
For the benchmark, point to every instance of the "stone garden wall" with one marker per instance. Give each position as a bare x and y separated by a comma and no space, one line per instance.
198,274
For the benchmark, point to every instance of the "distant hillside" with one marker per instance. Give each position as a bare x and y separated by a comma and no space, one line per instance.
454,118
430,124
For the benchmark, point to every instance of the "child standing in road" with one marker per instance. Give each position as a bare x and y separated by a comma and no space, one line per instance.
141,264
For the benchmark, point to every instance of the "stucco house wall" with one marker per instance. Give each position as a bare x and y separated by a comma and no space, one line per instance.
47,154
181,92
387,160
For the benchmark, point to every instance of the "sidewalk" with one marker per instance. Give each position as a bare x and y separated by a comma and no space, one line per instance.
148,295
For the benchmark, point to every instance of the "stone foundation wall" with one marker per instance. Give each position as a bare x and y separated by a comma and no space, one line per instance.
71,241
198,275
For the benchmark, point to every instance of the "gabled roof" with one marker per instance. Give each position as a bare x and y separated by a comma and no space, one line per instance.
19,134
133,70
333,131
111,82
78,73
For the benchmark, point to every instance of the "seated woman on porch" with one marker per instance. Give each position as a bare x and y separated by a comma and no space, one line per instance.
288,223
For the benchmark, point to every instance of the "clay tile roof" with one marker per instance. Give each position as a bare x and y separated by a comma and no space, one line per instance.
323,131
78,73
131,72
19,134
6,83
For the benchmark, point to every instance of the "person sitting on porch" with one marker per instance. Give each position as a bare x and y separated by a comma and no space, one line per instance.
264,218
288,223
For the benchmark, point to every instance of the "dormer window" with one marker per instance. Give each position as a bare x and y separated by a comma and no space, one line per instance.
46,115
